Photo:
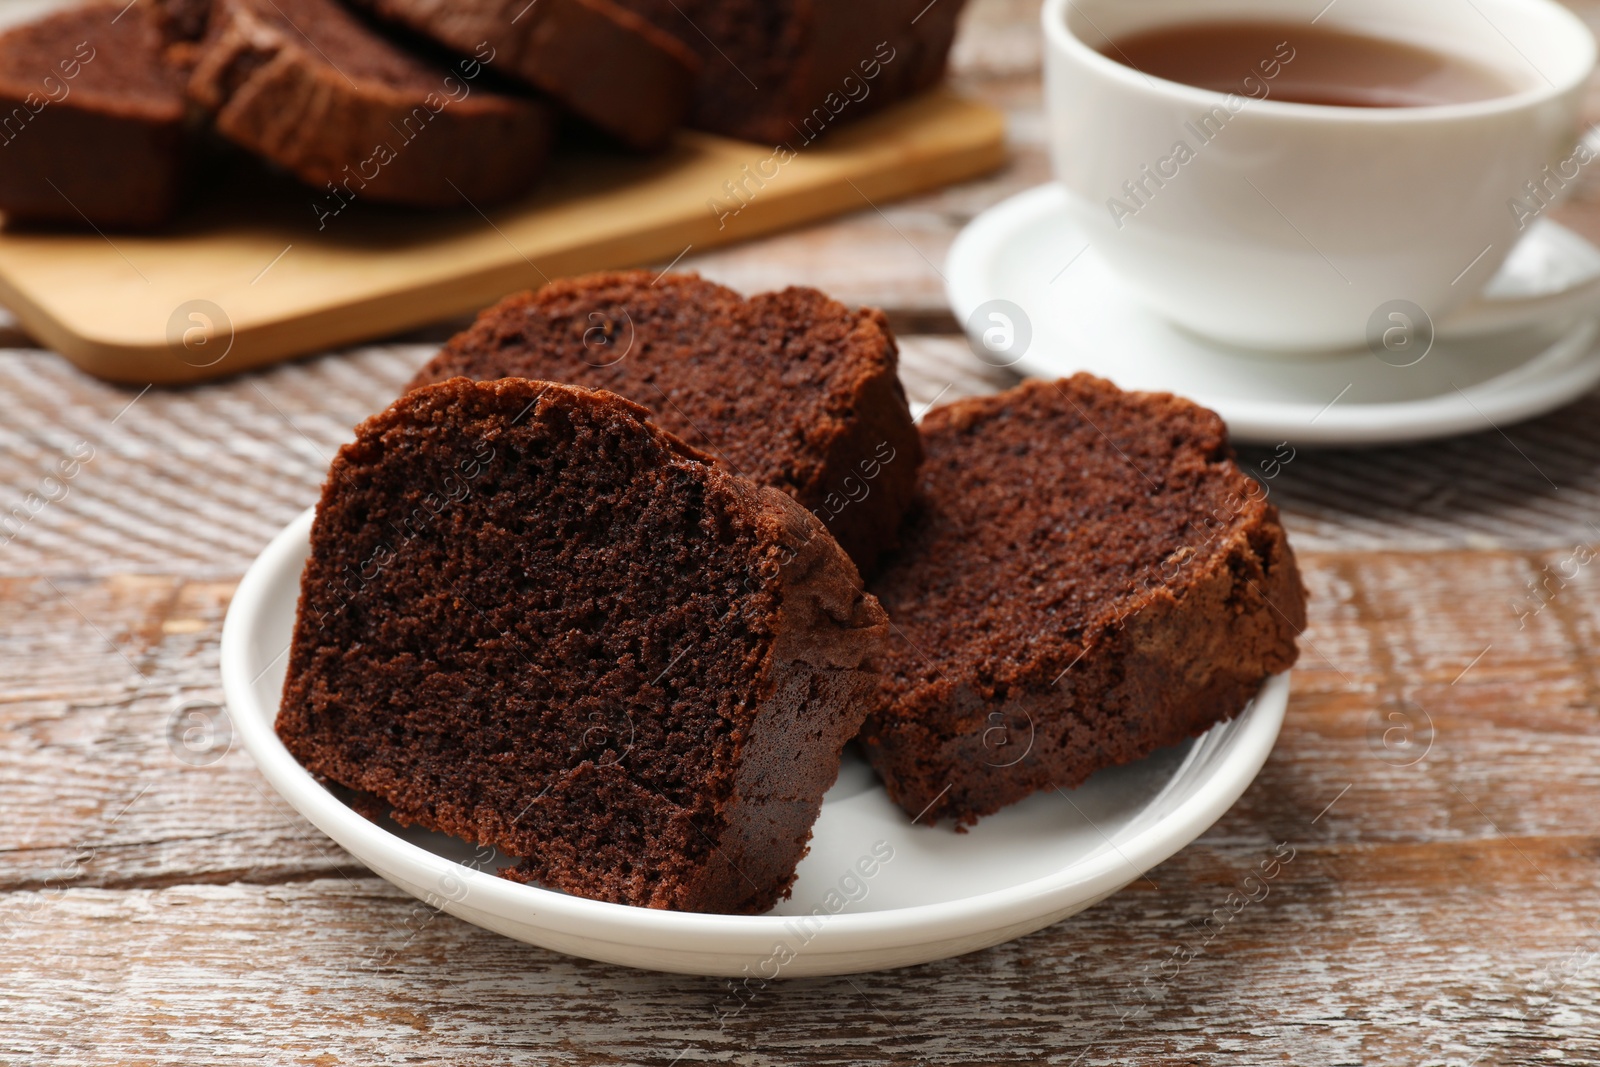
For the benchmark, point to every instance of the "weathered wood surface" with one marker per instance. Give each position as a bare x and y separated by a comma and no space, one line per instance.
159,905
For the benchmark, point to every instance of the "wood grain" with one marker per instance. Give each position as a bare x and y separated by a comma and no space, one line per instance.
1437,775
1366,954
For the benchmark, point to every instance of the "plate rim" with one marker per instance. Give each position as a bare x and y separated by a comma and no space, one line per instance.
1359,424
1094,877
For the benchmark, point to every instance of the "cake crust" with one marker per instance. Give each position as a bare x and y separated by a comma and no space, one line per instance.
533,620
789,389
1088,576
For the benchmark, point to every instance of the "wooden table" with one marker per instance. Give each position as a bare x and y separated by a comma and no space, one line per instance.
1438,778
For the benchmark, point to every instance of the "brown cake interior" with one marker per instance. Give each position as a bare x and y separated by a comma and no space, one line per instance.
124,76
789,389
1053,520
790,71
602,62
310,87
742,44
1090,566
178,21
93,124
349,44
532,620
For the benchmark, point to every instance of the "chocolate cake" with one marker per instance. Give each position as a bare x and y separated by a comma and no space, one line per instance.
1087,576
309,86
177,21
601,61
532,619
788,71
789,389
92,123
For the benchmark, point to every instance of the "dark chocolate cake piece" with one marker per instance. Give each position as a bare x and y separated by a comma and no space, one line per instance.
311,87
532,619
789,71
603,62
92,122
1087,576
789,389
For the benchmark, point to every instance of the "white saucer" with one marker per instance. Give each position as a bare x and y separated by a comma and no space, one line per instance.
1027,250
941,893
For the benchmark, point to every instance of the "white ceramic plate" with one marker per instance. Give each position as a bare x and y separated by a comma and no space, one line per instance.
1028,251
940,894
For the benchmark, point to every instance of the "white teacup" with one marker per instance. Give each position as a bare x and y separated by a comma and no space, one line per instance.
1292,226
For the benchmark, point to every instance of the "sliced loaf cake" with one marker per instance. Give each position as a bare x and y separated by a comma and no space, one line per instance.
309,86
93,130
601,61
1087,576
789,71
532,619
790,389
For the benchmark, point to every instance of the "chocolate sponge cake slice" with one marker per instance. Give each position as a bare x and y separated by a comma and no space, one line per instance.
601,61
789,389
312,88
789,71
531,619
93,127
1088,576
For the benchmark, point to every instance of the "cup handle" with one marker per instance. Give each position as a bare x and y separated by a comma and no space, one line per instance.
1485,315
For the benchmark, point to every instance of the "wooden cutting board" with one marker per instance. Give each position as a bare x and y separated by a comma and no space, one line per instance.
261,269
